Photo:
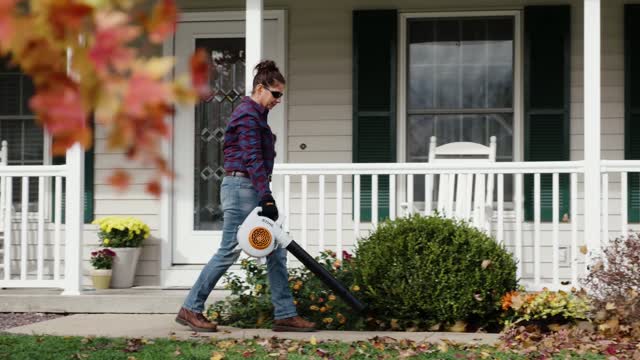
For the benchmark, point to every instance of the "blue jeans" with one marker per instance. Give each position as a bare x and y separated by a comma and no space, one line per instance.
238,199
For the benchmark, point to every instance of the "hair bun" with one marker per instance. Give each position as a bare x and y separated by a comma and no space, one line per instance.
266,66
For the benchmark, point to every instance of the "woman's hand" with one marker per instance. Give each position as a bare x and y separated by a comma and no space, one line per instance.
269,208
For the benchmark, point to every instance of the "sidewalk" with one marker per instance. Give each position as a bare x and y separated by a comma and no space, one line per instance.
162,325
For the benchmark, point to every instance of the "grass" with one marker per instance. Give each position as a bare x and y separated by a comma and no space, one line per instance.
25,347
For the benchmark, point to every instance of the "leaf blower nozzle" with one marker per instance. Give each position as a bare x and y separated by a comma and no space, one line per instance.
259,236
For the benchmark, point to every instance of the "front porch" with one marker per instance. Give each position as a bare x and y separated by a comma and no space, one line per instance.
552,215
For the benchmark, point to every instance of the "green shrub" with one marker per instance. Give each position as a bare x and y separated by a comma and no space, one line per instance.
249,305
426,272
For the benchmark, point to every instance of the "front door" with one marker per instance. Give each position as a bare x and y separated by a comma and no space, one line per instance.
199,131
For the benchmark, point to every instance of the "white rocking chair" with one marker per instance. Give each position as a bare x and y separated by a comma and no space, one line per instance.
465,196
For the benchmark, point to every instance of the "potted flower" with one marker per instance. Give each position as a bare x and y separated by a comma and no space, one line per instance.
124,236
102,261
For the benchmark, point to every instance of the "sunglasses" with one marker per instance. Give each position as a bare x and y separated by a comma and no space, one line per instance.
275,94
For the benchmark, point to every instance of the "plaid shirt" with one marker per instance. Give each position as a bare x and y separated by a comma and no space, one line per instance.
249,144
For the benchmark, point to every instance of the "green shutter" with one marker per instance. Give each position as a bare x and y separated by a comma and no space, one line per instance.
632,105
547,45
89,170
374,99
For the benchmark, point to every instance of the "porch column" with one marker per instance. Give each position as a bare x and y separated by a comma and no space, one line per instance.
592,191
74,220
74,212
253,40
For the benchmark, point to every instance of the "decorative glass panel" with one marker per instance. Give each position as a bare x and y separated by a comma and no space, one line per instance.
227,80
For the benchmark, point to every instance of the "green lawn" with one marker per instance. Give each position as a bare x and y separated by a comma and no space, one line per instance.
51,347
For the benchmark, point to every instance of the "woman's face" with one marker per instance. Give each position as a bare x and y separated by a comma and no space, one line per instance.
270,96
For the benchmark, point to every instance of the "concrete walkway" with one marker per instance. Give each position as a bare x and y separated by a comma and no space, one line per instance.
163,326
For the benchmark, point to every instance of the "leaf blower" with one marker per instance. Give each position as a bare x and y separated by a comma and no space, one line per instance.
259,236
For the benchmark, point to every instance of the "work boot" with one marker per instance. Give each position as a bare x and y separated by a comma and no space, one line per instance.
196,321
295,323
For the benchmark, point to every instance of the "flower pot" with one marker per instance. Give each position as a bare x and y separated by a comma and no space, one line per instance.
101,278
124,267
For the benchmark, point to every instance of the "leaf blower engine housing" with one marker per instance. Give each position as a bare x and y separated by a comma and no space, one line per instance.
259,236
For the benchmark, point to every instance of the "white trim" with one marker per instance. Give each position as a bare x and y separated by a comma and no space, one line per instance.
175,275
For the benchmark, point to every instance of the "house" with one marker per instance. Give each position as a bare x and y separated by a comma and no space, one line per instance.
368,83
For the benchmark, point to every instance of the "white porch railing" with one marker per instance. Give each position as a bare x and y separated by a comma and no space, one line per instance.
32,237
548,254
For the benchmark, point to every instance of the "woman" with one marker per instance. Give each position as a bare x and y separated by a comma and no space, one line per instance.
248,162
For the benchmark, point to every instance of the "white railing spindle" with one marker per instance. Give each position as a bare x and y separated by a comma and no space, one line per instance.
41,202
500,230
536,231
287,202
392,197
605,209
556,230
57,228
24,212
623,204
356,207
339,216
8,214
305,244
321,197
374,200
574,228
428,194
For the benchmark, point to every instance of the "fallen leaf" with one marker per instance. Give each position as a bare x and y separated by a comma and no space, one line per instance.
313,340
459,326
583,249
217,356
443,347
226,344
486,263
610,306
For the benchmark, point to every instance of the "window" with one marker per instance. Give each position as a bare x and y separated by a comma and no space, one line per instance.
460,85
18,127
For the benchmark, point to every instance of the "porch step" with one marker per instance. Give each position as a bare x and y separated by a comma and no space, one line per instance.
139,300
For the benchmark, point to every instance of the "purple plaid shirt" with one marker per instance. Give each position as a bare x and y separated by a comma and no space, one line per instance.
249,144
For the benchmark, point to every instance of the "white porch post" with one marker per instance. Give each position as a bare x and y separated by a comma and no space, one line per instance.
74,213
253,42
592,125
74,220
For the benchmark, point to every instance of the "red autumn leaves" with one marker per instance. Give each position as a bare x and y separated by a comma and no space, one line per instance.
106,76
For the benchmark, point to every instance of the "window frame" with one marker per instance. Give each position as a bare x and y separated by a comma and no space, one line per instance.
47,159
518,80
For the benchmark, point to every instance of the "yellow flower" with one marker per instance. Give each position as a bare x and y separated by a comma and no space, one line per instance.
332,297
214,315
296,287
323,309
355,288
314,308
258,287
327,320
105,242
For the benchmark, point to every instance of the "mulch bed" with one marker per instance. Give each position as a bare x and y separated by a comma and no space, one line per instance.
10,320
